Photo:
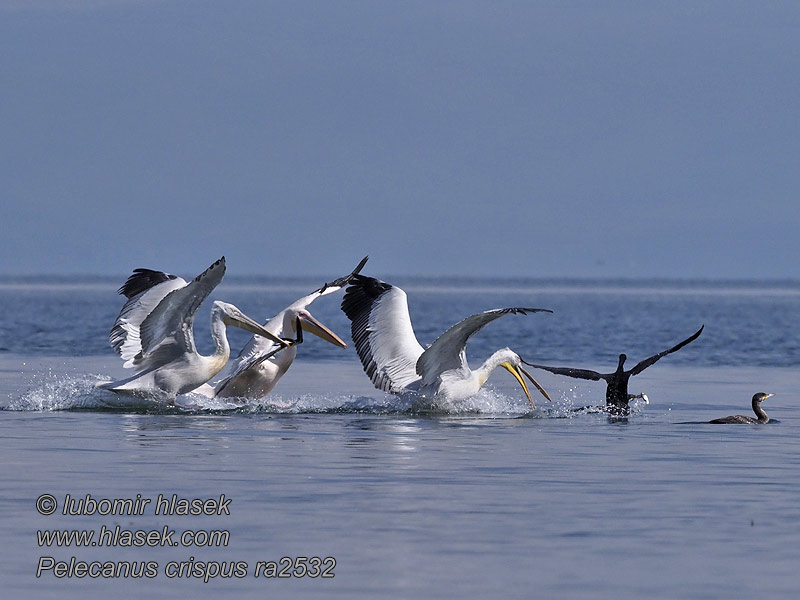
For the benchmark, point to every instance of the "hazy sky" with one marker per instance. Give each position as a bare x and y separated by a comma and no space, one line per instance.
576,139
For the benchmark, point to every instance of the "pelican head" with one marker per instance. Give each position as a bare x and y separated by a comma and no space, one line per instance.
513,364
232,316
312,325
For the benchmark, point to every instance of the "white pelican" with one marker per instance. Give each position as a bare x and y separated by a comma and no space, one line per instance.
395,361
257,369
153,333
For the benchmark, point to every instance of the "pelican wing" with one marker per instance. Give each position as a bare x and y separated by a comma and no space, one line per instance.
649,361
144,289
337,284
449,350
382,332
166,332
576,373
328,288
253,353
244,364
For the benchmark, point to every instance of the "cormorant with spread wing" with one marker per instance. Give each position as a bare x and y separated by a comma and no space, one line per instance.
617,397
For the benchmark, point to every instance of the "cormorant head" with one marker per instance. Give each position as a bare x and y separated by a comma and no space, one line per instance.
622,359
761,396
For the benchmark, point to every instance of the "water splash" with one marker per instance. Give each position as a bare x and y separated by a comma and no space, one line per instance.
73,392
306,403
487,401
52,392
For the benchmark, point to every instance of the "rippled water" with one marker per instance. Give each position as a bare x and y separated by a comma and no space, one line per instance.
493,500
747,323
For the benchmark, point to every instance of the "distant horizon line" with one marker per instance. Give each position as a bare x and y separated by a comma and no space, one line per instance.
575,279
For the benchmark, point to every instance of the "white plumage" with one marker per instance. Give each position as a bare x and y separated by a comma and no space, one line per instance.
261,363
153,333
395,361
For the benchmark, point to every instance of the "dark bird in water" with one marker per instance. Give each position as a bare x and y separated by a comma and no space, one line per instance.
617,397
760,413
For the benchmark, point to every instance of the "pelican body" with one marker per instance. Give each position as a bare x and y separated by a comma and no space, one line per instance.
617,396
761,414
153,333
395,361
261,363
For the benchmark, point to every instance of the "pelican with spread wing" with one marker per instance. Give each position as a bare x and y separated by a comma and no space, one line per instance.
396,362
153,333
262,362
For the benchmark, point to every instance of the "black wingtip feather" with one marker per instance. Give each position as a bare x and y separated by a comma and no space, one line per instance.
142,280
342,281
214,265
360,295
517,310
357,303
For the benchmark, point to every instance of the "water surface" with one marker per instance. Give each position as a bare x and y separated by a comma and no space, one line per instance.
494,499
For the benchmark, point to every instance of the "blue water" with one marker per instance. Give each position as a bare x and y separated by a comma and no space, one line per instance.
494,500
748,323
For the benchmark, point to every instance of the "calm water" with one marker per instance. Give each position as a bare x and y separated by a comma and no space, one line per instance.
493,500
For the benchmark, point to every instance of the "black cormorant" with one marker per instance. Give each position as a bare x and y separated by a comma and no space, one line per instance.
617,396
760,413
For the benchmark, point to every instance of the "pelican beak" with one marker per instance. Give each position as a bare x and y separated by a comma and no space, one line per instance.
242,321
311,325
536,383
517,373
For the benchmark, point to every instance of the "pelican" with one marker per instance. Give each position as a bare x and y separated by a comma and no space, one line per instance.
396,363
760,413
260,364
617,397
153,333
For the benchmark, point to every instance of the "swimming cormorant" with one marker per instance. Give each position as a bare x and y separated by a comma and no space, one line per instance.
617,396
760,413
